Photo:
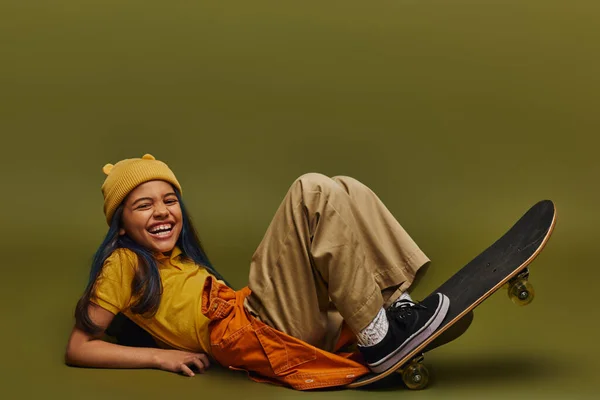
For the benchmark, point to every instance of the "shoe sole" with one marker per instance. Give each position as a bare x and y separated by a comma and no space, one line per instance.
414,340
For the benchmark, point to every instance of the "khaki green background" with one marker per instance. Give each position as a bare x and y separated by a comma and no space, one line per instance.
459,114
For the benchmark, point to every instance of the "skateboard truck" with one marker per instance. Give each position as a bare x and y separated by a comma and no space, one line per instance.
520,291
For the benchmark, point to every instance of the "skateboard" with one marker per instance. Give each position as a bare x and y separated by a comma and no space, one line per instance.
504,263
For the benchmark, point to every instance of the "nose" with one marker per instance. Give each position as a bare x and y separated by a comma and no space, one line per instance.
161,211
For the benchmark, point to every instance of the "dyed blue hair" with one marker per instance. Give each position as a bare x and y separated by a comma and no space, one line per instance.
146,286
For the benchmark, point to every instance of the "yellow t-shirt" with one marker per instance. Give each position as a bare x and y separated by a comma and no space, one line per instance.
178,321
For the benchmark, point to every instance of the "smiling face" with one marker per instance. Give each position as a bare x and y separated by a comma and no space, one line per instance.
152,216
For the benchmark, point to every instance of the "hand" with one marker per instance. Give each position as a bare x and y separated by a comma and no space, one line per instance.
181,361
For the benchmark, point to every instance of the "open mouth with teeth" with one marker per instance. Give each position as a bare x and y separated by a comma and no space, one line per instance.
161,230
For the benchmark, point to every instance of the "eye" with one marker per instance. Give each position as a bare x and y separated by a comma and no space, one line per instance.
170,201
143,206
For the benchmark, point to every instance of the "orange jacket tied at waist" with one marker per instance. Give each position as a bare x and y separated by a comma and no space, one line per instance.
241,342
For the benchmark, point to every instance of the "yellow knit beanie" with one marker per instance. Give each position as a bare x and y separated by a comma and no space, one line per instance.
127,174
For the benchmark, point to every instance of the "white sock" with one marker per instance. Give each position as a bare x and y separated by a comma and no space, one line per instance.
405,296
375,331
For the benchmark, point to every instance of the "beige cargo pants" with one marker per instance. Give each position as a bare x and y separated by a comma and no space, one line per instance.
332,253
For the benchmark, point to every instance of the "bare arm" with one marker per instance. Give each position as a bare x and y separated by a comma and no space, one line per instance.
86,350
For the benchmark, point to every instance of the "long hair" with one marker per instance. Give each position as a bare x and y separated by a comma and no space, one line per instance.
146,287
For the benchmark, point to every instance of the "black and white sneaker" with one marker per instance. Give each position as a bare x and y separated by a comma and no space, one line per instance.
410,324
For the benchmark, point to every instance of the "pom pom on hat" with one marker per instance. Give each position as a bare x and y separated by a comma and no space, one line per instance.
126,175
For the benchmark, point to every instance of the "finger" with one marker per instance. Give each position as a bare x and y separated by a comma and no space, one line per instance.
199,364
204,358
186,370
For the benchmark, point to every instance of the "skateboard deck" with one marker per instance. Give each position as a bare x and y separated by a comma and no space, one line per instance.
504,262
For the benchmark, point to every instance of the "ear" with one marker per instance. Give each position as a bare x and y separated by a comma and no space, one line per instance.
107,168
121,232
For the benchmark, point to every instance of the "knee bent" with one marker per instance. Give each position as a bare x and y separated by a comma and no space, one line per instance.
314,181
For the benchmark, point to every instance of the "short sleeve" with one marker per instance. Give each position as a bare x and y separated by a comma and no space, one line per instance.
113,286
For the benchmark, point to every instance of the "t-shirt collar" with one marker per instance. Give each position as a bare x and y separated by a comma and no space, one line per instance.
176,252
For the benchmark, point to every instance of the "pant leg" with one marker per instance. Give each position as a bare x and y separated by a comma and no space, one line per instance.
330,251
395,258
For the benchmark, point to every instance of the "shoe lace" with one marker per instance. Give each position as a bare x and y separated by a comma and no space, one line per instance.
402,310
